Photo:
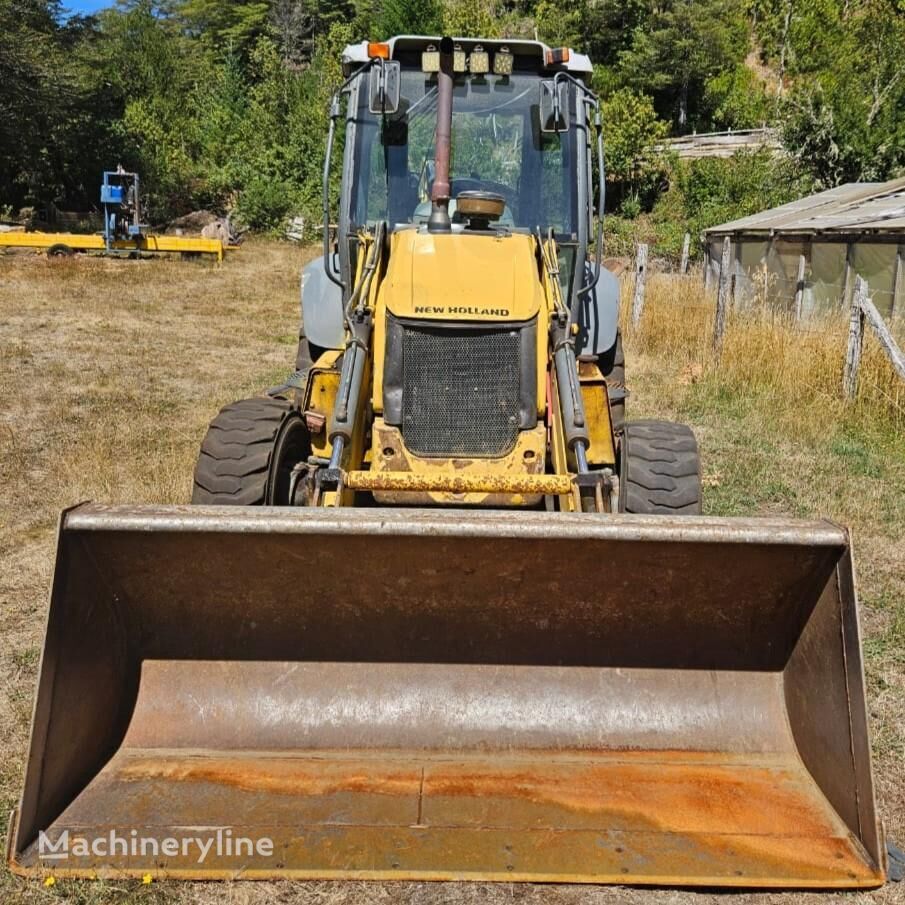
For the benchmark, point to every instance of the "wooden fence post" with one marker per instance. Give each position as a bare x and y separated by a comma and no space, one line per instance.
799,286
855,340
640,279
893,352
722,299
686,249
898,281
847,278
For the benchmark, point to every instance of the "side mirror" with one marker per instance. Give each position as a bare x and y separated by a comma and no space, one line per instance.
384,86
554,106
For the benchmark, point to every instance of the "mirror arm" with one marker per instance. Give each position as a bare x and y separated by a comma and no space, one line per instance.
601,201
328,154
593,101
382,85
331,133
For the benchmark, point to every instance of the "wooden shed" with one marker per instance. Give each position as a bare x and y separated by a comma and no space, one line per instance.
817,245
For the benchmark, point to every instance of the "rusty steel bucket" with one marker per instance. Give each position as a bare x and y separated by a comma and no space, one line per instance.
260,693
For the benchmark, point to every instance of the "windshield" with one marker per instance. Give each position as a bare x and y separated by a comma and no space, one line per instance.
497,146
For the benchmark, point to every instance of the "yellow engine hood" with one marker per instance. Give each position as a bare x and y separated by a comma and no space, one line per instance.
462,277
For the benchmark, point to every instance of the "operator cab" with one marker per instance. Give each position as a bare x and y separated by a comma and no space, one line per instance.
523,128
497,144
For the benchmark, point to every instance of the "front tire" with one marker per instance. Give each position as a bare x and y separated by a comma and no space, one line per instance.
659,469
248,454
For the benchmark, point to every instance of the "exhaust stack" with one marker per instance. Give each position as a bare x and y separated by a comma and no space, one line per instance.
440,193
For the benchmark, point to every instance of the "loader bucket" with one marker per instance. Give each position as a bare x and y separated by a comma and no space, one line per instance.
388,694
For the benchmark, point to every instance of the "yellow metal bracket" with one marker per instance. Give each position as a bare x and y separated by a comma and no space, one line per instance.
417,482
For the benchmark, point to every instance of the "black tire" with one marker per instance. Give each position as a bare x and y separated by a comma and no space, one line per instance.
248,454
60,250
612,366
659,469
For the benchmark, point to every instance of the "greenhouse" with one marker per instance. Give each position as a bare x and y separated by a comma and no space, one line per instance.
818,245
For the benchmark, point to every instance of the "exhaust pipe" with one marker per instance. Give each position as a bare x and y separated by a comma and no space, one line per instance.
440,193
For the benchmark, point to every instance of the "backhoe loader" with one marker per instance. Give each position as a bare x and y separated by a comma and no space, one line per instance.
439,611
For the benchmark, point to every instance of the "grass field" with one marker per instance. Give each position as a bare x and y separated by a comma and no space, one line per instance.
110,371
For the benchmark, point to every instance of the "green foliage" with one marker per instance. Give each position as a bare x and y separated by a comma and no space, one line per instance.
677,47
148,67
409,17
559,26
297,25
842,115
472,18
714,190
737,99
235,25
224,105
54,114
631,132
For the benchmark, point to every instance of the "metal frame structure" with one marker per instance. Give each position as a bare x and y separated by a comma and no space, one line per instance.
76,242
124,233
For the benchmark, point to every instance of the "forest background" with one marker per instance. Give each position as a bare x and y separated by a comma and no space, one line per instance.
223,105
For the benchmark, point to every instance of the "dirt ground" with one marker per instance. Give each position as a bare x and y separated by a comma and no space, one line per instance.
109,373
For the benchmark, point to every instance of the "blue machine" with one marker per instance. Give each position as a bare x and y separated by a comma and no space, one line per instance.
121,205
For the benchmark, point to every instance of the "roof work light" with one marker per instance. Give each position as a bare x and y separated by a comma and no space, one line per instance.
479,61
502,62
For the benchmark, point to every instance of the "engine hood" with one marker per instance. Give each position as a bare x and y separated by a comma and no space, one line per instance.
462,277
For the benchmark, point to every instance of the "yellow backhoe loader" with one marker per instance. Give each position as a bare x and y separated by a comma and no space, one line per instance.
442,612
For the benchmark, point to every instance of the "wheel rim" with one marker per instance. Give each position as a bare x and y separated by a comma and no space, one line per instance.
622,471
292,446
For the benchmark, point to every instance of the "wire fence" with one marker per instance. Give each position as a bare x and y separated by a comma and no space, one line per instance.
853,353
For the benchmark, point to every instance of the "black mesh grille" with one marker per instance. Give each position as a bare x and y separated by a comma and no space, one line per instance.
460,391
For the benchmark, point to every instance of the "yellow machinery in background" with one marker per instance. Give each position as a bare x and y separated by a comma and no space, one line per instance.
123,234
65,244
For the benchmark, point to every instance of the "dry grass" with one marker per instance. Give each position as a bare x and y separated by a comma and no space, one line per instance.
110,370
766,351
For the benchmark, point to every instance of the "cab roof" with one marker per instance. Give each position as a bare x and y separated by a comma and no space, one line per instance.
577,63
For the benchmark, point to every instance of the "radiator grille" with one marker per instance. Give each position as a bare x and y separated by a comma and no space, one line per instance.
460,391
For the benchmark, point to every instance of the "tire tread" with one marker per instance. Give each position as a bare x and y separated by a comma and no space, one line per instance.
661,470
234,461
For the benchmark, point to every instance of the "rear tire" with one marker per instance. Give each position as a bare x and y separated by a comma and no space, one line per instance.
307,353
60,251
612,366
248,454
659,470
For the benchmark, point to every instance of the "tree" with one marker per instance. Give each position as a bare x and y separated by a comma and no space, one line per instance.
632,131
409,17
297,25
737,99
57,121
846,121
714,190
608,28
235,25
677,48
560,27
223,104
472,18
